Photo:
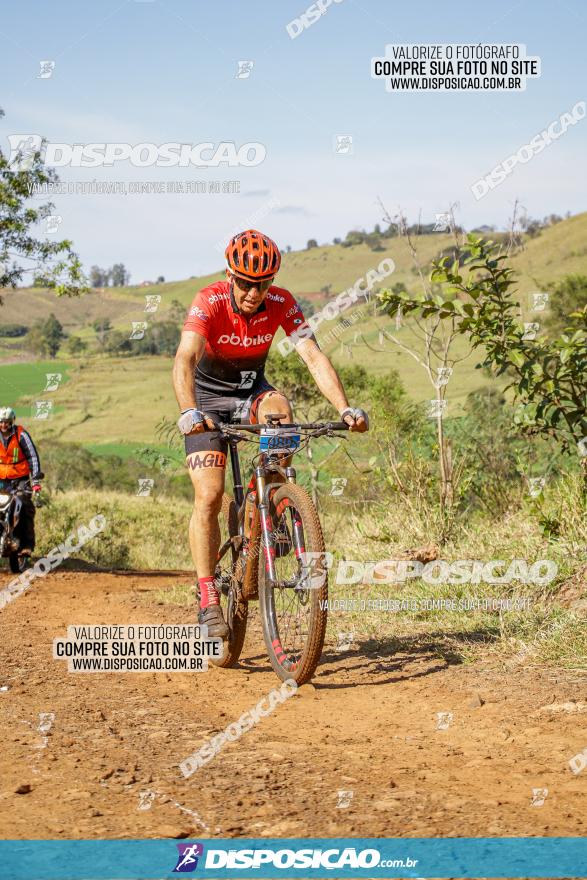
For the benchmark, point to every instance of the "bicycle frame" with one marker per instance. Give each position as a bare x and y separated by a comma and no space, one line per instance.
260,523
261,527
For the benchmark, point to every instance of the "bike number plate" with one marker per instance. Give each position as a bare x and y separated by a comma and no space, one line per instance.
278,440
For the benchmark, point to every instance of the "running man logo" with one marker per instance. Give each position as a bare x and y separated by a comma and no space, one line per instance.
338,485
443,720
53,381
145,486
42,409
539,301
47,68
138,329
539,795
244,69
52,223
247,379
23,149
443,222
187,860
344,798
152,302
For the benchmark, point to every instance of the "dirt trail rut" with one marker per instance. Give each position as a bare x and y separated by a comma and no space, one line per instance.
108,766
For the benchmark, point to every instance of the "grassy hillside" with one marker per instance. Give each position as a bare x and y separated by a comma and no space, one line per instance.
556,251
115,403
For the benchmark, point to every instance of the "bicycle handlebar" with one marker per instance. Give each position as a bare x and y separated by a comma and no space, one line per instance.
309,426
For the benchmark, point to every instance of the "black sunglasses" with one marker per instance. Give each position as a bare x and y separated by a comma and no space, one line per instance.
245,285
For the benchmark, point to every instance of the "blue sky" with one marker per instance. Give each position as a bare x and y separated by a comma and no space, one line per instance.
165,71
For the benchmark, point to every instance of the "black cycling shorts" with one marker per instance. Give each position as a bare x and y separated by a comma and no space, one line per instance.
224,409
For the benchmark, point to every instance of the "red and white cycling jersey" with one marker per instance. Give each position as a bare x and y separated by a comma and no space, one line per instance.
237,345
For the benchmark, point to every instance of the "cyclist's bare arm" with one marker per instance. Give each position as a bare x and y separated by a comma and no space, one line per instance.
328,381
190,350
323,373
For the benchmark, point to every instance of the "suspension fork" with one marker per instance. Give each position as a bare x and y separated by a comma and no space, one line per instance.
296,522
266,525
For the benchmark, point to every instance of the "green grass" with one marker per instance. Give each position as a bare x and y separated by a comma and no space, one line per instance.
29,380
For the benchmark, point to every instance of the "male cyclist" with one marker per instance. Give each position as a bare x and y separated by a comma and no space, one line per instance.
19,464
219,376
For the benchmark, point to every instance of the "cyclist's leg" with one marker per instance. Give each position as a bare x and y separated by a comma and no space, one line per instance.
206,470
270,401
206,460
206,463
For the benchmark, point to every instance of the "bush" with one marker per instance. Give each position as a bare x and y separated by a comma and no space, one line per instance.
140,533
566,296
70,467
13,330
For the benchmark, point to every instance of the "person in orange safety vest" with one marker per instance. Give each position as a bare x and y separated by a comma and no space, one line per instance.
19,464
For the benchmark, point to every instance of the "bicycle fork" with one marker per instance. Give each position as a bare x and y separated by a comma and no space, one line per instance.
265,520
268,528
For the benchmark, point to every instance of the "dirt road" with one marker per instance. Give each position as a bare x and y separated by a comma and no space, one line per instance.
106,765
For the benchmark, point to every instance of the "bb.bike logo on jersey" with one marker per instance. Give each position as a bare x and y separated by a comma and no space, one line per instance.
217,297
276,297
246,341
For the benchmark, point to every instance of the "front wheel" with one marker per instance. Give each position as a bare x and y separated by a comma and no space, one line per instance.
293,610
228,577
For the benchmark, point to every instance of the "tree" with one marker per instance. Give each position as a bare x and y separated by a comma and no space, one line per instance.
102,327
117,342
312,243
548,377
354,237
160,279
52,264
53,330
336,240
306,305
120,277
46,336
162,338
99,277
76,345
176,311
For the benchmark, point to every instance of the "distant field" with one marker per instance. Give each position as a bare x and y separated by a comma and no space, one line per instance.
114,405
29,380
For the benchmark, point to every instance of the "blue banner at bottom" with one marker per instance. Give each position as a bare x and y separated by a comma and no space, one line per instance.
291,858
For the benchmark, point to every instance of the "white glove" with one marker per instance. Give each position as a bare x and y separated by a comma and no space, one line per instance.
355,413
189,419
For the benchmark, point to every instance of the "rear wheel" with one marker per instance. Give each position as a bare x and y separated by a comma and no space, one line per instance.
293,610
228,581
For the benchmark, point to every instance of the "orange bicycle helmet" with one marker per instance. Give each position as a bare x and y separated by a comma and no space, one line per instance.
253,256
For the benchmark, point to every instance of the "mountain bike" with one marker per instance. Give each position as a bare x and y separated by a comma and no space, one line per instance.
272,549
